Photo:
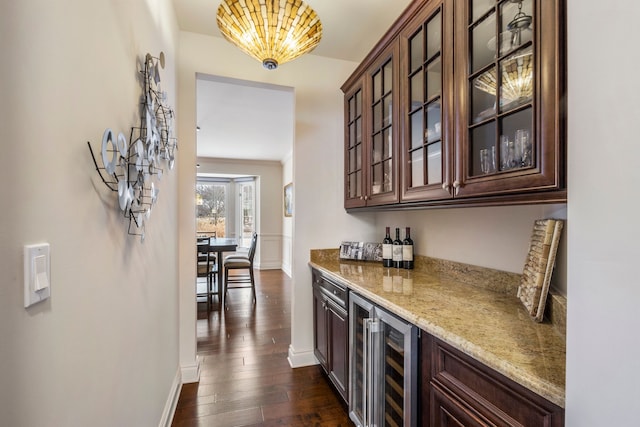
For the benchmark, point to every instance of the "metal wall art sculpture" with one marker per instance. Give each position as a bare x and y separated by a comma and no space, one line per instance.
130,167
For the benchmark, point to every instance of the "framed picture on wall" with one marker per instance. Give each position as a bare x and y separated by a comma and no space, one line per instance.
288,199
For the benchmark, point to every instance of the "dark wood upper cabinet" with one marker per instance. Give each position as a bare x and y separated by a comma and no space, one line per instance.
460,103
510,88
372,134
427,103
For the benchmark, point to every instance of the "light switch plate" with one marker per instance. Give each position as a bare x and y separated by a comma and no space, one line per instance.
37,273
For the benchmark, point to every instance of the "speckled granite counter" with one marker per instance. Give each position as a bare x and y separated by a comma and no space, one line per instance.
471,308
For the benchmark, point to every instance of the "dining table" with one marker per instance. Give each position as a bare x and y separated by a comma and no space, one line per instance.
219,245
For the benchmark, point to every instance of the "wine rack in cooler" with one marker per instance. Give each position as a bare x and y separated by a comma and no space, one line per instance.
394,378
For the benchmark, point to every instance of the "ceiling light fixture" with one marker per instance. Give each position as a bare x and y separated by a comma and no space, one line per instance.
271,31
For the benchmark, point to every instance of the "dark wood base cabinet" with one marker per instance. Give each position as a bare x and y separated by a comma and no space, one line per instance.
459,391
331,331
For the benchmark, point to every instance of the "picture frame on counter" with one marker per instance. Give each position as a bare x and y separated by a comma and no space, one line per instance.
361,251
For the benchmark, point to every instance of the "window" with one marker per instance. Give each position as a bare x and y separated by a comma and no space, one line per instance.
246,212
211,208
220,213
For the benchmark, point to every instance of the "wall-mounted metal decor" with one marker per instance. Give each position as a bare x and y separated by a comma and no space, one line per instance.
130,167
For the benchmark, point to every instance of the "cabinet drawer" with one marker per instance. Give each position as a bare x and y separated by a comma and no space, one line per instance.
333,290
491,394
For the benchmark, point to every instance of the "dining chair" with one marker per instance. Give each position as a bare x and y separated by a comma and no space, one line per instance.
206,266
240,262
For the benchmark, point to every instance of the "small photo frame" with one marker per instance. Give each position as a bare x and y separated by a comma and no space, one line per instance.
288,199
361,251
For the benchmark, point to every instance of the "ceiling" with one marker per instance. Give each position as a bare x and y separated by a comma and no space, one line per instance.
350,29
243,120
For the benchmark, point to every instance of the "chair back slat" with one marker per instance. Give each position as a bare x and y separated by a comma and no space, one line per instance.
252,248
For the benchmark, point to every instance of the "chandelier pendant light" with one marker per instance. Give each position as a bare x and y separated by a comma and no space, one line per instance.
271,31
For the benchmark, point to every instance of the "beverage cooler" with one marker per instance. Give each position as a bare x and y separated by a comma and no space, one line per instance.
383,363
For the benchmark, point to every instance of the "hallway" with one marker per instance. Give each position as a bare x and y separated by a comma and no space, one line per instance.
245,377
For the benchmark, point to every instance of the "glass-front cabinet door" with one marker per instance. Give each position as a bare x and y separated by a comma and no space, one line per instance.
427,98
354,149
371,134
382,128
509,83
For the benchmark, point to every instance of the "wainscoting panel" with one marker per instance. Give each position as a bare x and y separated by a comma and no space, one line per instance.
269,252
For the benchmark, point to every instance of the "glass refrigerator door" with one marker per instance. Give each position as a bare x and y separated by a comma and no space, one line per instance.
395,360
360,317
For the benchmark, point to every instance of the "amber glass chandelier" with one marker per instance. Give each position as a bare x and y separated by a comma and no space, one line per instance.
517,78
271,31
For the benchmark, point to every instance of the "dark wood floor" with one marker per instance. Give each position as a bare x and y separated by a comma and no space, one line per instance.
245,377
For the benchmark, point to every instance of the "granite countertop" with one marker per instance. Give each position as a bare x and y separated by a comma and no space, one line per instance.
484,320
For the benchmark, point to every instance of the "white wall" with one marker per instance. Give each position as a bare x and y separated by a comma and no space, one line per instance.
603,348
103,350
268,203
493,237
287,221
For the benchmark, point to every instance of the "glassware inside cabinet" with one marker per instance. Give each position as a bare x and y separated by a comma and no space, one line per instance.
483,138
378,176
516,141
387,170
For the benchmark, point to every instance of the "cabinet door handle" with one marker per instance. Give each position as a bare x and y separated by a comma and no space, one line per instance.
456,185
445,186
366,396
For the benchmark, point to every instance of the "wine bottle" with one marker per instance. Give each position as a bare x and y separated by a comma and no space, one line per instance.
387,249
397,250
407,251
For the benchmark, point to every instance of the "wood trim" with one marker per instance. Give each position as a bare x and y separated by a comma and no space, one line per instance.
383,43
553,197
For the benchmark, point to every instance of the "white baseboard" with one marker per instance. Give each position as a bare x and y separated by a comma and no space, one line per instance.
191,373
286,269
274,265
300,359
172,401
